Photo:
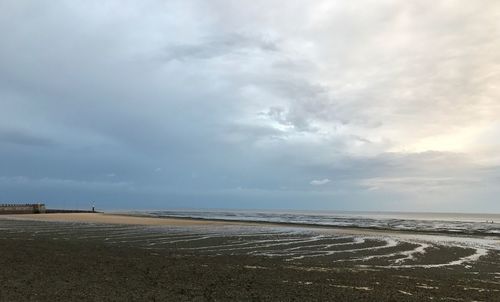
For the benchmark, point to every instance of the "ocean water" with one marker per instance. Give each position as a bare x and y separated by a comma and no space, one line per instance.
458,223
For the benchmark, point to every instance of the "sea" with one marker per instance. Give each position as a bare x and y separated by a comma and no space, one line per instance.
456,223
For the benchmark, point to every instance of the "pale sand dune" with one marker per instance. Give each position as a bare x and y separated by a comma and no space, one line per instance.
114,219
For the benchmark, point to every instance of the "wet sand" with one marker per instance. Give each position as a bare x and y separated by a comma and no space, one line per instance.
96,257
112,219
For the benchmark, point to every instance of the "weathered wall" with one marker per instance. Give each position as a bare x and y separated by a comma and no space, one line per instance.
22,208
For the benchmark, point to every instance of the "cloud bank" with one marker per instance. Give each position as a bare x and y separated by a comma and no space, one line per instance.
319,182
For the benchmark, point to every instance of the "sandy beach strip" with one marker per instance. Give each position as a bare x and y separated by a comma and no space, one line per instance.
137,219
133,219
106,218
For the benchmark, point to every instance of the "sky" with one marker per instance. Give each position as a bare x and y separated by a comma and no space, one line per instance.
372,105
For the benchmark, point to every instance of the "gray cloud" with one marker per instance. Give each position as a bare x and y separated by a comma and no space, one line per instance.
22,138
319,182
213,47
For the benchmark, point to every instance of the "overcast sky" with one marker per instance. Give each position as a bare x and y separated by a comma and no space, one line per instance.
342,105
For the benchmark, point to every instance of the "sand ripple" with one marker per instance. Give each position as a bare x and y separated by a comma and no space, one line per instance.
291,244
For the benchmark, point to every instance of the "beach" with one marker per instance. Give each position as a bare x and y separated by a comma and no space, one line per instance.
103,257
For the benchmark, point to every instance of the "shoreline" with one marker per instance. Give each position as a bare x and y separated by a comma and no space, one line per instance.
149,220
322,226
57,260
86,256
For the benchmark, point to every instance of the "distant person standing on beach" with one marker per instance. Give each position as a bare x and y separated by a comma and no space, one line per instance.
93,207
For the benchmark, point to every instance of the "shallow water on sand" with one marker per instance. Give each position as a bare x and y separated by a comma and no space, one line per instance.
329,246
487,224
416,265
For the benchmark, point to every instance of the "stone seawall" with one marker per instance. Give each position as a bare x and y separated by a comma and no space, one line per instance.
26,208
